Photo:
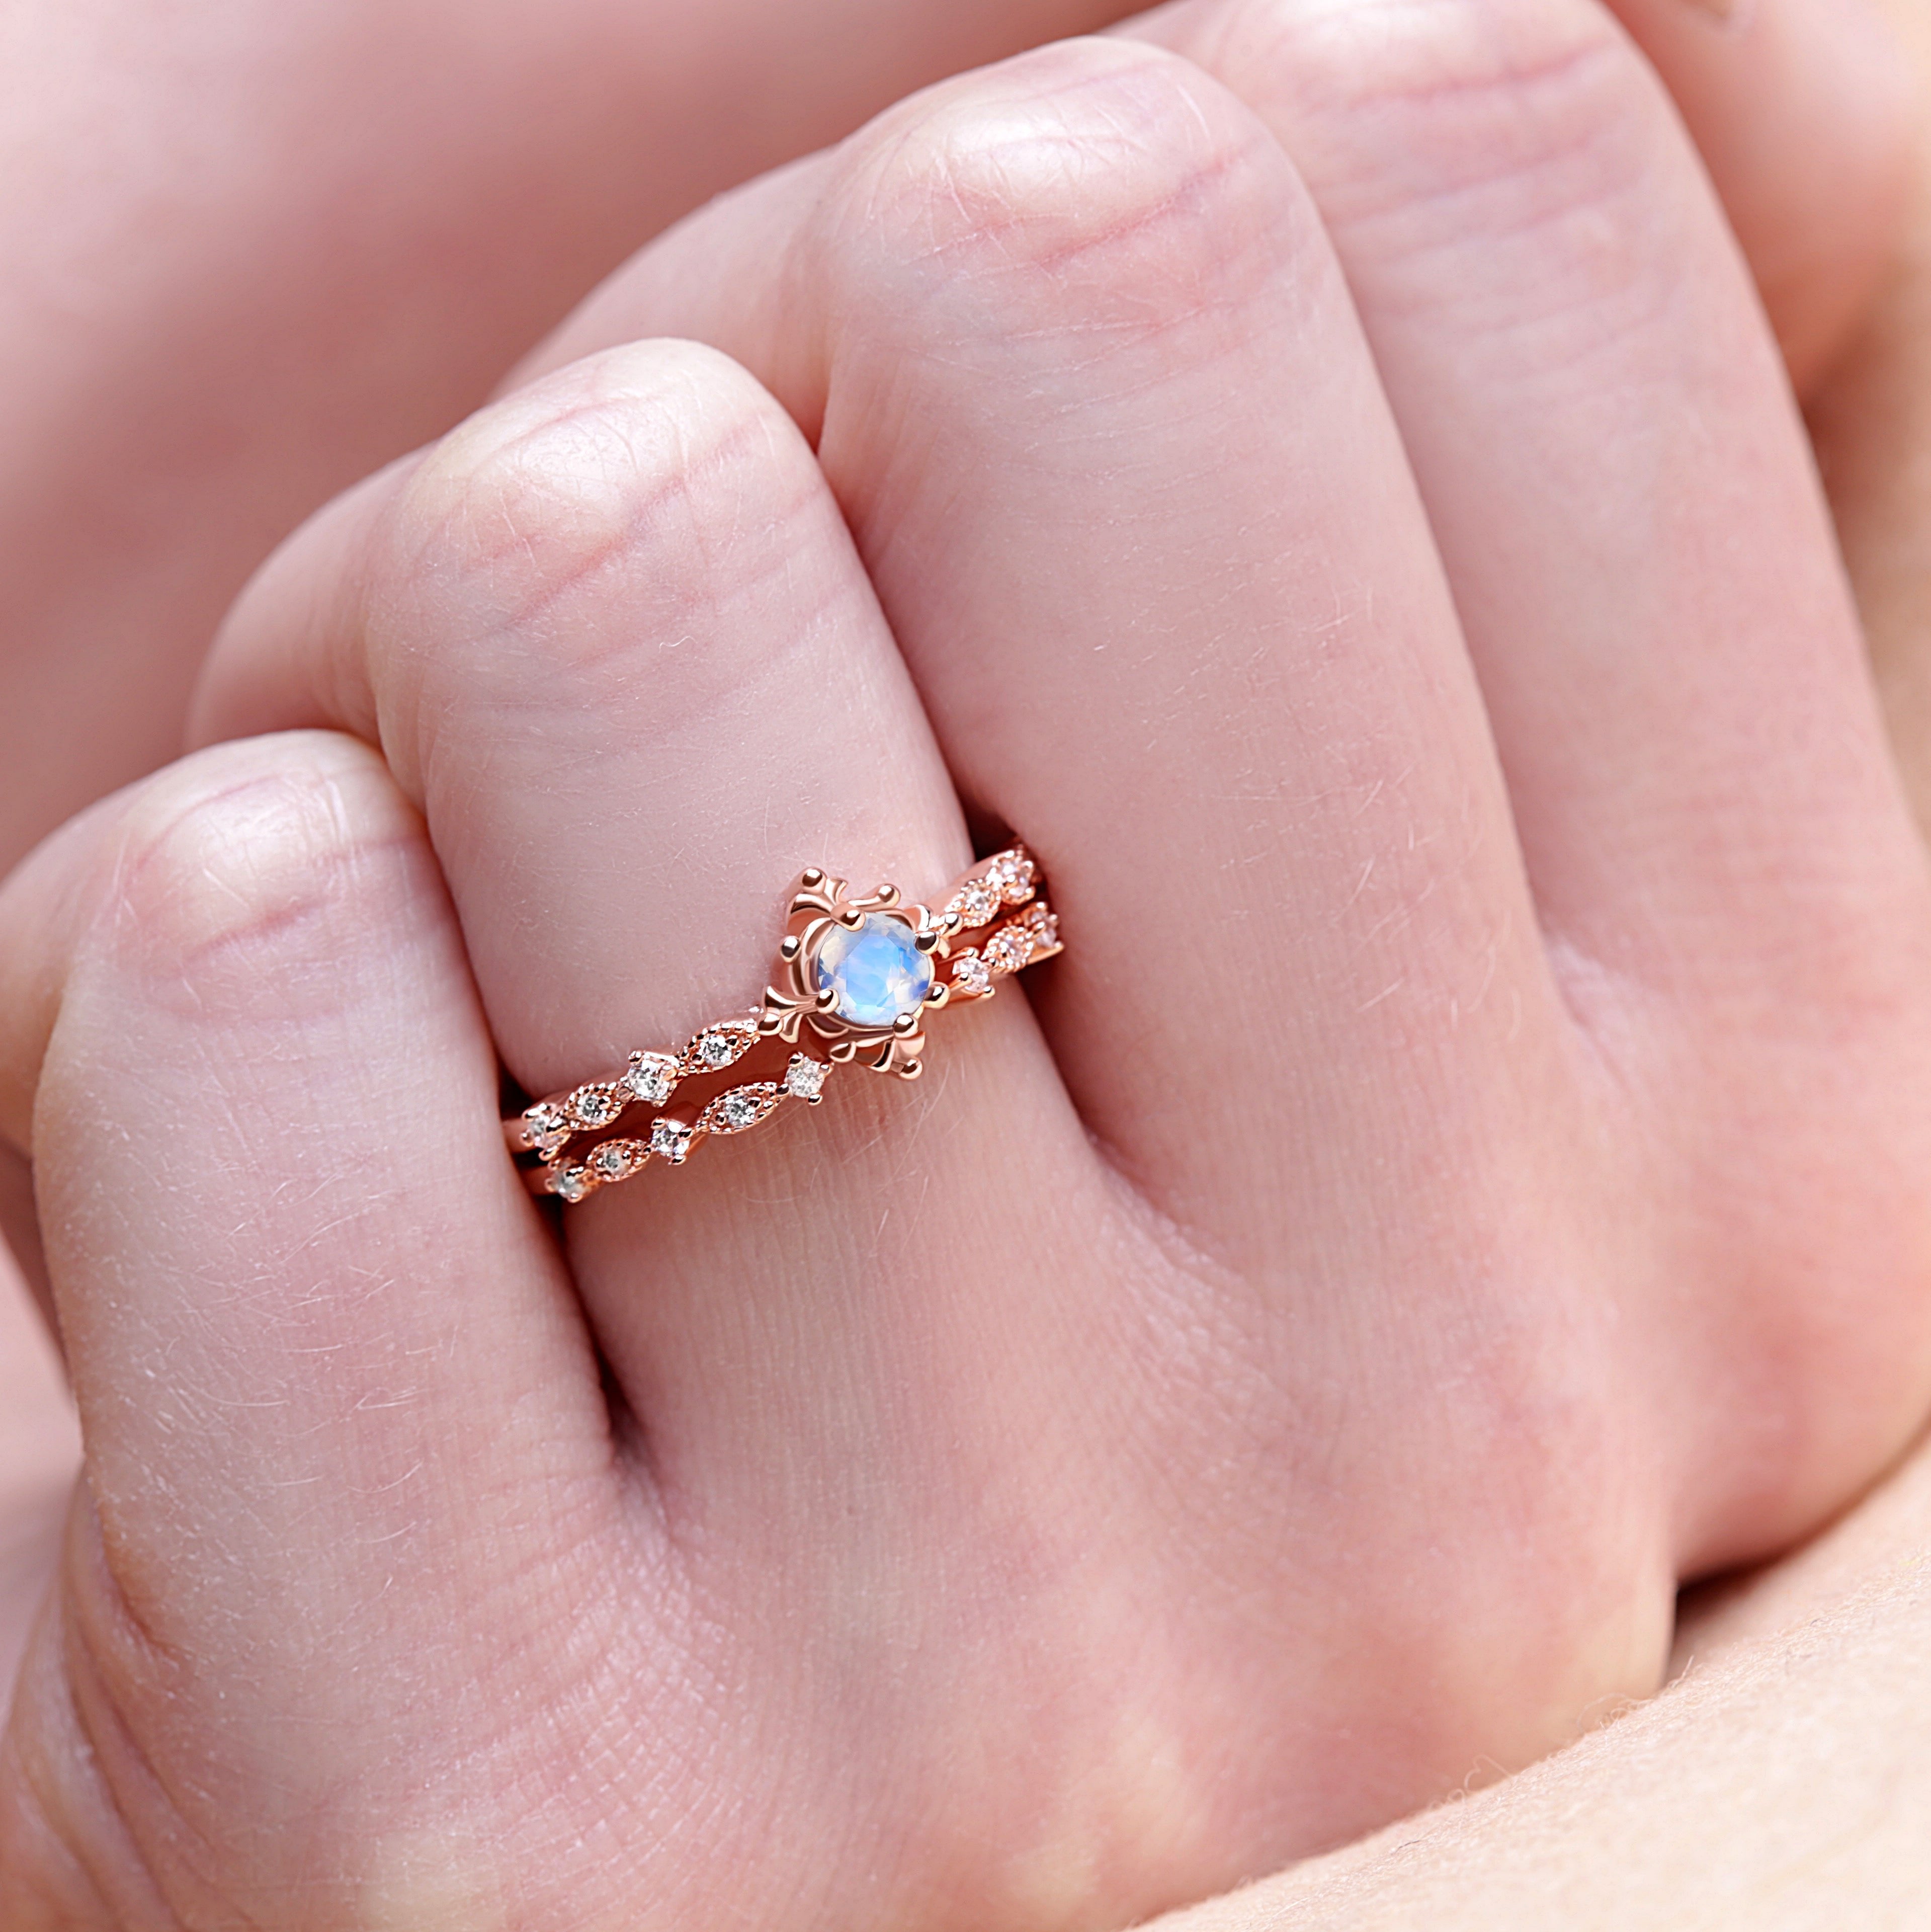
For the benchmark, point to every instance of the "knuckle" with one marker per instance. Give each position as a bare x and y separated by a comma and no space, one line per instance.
1432,122
651,478
244,856
1093,182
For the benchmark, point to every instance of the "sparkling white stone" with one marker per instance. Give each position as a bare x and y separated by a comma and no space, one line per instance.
1016,876
970,974
651,1077
805,1077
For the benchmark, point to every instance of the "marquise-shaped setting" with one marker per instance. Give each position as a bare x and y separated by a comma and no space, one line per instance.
718,1046
597,1104
616,1160
740,1109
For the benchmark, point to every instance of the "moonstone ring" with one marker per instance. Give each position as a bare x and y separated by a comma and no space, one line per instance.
855,976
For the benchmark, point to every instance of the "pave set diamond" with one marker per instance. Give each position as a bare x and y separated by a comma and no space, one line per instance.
865,976
1033,935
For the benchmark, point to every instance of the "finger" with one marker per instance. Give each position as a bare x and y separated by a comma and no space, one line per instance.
1690,740
616,637
1610,753
1534,254
1244,771
1802,111
304,1309
1667,651
39,1452
1086,375
554,698
350,288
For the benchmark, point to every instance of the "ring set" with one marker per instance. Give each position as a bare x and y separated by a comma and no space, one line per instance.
855,976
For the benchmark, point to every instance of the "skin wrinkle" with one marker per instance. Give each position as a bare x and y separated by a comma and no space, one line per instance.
1011,196
1014,1557
1547,47
666,473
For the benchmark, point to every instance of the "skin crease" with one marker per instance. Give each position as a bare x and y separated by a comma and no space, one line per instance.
288,374
1780,1783
256,248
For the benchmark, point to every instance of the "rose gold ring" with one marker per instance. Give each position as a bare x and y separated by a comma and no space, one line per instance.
857,974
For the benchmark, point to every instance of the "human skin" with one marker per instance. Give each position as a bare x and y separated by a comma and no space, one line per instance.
132,520
1783,1781
256,247
324,288
1581,1300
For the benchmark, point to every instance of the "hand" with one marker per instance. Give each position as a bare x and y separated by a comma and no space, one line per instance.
1142,1514
140,504
256,248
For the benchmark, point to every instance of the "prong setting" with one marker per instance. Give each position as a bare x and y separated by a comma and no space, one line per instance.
857,974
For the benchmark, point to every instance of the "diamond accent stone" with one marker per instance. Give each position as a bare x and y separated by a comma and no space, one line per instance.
1008,949
1043,925
545,1126
670,1140
874,970
651,1077
969,975
615,1160
596,1106
742,1107
977,902
719,1046
572,1183
805,1077
1015,873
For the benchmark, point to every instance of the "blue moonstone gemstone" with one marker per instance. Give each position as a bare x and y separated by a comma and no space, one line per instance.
877,970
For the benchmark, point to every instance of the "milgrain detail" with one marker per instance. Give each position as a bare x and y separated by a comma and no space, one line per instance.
855,976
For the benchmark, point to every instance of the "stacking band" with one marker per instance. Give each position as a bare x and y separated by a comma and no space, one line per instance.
857,974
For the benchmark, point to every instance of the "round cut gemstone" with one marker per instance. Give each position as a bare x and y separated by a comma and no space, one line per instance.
876,971
970,974
805,1077
652,1076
